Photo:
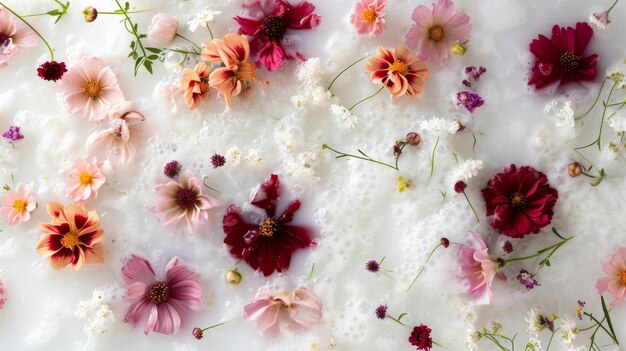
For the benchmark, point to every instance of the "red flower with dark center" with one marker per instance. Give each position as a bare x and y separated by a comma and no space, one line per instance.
420,338
269,27
51,70
562,57
521,201
266,246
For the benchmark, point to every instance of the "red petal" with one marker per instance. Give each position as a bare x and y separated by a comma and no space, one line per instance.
249,26
236,229
583,36
267,196
271,56
301,16
287,216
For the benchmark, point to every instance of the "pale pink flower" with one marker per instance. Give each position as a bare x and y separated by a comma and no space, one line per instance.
13,38
90,88
163,29
434,31
166,302
478,269
183,199
3,297
17,205
125,135
270,312
368,17
615,281
84,179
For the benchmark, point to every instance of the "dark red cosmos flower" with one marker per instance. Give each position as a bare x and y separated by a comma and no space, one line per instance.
272,19
51,70
266,246
521,201
420,337
561,58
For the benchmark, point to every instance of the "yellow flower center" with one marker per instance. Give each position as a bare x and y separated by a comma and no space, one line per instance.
623,278
85,178
400,67
518,201
158,293
70,240
268,227
93,88
19,205
369,15
245,72
436,33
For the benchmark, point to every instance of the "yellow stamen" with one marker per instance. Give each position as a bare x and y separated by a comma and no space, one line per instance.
19,205
85,178
399,67
436,33
623,278
93,88
245,71
268,227
369,15
70,240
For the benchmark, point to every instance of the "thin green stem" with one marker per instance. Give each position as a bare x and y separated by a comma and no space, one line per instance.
552,249
180,51
396,320
366,158
612,6
209,29
603,115
121,13
213,326
432,161
34,30
600,325
423,266
132,31
551,337
36,14
311,273
471,206
342,72
594,103
367,98
192,43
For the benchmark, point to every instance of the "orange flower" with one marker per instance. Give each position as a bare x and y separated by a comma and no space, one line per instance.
72,237
398,70
236,75
195,85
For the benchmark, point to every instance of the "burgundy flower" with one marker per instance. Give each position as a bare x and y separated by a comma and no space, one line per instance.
218,160
381,312
268,28
526,279
507,247
420,338
172,168
51,70
266,246
460,186
470,100
562,57
372,266
521,201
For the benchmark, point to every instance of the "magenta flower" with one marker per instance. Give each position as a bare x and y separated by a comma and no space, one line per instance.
477,268
615,280
13,38
17,205
470,100
269,27
271,312
3,297
368,17
166,302
13,134
436,29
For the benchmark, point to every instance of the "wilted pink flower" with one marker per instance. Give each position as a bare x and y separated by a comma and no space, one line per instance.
163,29
84,179
90,88
17,205
12,38
615,281
166,301
270,312
368,17
436,29
183,199
478,269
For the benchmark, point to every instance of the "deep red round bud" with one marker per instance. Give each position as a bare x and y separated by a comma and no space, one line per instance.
413,138
197,333
445,242
172,169
460,186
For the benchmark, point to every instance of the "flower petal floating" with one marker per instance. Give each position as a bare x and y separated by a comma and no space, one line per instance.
183,199
521,201
90,88
478,269
615,280
195,85
436,29
398,70
271,312
269,27
266,246
368,17
561,59
13,38
166,302
17,205
72,237
84,179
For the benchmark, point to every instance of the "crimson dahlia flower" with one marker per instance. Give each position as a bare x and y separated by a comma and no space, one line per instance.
521,201
267,245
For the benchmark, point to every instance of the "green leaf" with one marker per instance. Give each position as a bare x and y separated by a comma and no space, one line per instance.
608,319
154,50
132,44
547,263
153,57
148,65
401,315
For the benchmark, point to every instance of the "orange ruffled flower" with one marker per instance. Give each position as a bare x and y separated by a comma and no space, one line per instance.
195,85
72,237
398,70
237,75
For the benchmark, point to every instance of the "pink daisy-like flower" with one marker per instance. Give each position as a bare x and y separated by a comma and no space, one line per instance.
615,281
166,302
478,269
436,29
271,312
183,199
90,88
17,205
13,38
84,179
368,17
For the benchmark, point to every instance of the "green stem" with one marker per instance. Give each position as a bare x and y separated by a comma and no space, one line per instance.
603,115
366,158
423,266
36,14
600,325
342,72
594,103
612,6
133,31
192,43
369,97
551,337
471,206
121,13
34,30
210,32
213,326
396,320
552,248
180,51
432,161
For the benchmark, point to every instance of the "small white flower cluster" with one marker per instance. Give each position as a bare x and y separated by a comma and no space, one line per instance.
472,337
312,94
347,120
100,317
612,151
468,169
568,330
616,75
235,158
564,117
533,327
618,122
301,170
437,126
203,19
310,71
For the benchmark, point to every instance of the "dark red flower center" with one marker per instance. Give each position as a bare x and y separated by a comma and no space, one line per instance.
518,201
268,227
186,199
274,27
158,293
436,33
3,39
569,61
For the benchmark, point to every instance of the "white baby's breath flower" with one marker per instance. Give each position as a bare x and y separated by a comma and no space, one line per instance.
472,337
310,71
616,75
533,326
299,101
440,126
568,331
468,169
321,97
284,140
233,155
346,118
254,157
618,122
564,117
203,19
612,151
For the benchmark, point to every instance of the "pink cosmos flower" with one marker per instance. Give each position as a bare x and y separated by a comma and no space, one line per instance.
84,179
17,205
183,199
125,135
434,31
163,29
270,312
368,17
615,281
166,302
478,268
3,298
12,38
90,88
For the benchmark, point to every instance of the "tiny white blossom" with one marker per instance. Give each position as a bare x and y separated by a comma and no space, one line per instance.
468,169
284,140
618,122
601,25
616,75
346,118
254,157
472,336
533,326
564,117
612,151
321,96
203,19
310,71
440,126
233,155
298,101
568,331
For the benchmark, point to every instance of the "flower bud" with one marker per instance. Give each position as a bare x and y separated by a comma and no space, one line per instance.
574,169
445,242
233,277
163,29
413,138
460,186
90,14
507,247
458,49
197,333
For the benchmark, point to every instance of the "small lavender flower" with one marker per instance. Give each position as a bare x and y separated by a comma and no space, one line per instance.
527,280
13,134
381,312
470,100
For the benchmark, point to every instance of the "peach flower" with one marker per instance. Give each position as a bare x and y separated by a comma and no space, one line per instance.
12,38
368,17
17,205
84,179
163,29
615,281
195,85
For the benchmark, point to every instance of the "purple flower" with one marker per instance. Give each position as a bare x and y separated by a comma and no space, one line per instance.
217,160
372,266
474,73
527,280
13,134
507,247
469,100
381,312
